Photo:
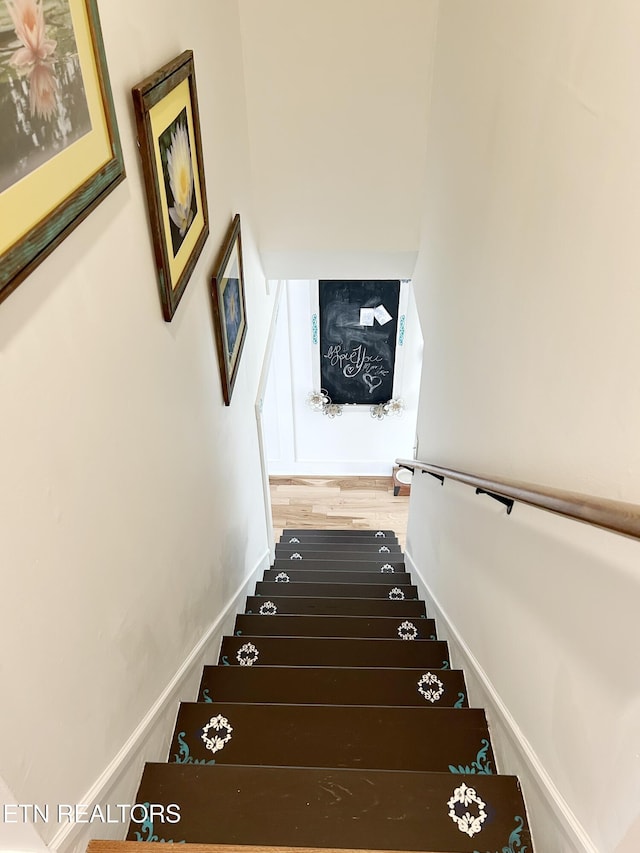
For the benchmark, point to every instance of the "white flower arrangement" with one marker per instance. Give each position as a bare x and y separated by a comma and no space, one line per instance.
393,407
320,401
317,400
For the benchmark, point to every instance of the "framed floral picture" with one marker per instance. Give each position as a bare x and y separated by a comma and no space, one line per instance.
60,153
229,309
166,108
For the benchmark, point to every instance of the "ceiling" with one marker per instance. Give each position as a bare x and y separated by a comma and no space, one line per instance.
337,100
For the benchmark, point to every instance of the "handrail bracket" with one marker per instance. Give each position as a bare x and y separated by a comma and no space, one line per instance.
508,502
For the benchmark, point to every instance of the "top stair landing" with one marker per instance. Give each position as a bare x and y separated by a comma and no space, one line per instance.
288,532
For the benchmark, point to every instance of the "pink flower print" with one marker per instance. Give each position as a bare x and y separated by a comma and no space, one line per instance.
28,20
42,91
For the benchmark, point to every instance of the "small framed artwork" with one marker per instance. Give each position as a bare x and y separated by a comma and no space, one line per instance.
166,108
229,310
60,153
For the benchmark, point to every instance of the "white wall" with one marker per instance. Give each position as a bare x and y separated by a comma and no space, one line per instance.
300,441
527,288
17,835
131,500
337,99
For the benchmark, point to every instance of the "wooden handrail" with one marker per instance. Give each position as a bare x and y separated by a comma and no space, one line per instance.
613,515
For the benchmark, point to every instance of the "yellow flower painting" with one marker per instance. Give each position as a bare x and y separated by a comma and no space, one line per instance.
177,167
168,124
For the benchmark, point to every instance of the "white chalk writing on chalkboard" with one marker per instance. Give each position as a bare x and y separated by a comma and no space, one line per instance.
358,361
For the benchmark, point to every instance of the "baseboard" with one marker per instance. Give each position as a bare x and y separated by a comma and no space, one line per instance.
329,468
555,828
150,740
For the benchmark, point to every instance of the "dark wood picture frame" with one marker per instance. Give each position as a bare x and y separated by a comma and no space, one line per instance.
229,308
54,214
168,125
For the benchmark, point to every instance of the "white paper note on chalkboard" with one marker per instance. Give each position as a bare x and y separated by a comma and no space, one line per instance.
366,316
382,315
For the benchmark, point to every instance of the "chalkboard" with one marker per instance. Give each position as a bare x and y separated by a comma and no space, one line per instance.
358,348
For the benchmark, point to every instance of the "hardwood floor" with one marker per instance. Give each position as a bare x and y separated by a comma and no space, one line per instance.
338,502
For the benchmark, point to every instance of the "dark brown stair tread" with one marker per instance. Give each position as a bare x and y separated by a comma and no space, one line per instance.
335,626
99,845
337,565
332,651
303,538
321,531
390,591
312,553
327,576
395,810
345,685
383,738
365,547
342,566
336,606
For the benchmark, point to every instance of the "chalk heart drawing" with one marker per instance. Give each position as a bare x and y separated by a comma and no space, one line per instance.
372,382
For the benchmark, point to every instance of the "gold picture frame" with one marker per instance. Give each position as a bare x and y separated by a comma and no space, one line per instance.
229,308
168,123
60,152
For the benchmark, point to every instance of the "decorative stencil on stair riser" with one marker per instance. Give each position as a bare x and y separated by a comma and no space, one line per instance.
282,577
147,832
247,655
481,765
294,541
216,733
268,609
407,631
430,687
382,534
387,569
296,556
467,810
183,756
514,842
384,550
396,594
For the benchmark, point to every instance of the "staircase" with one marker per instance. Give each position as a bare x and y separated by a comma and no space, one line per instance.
333,719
